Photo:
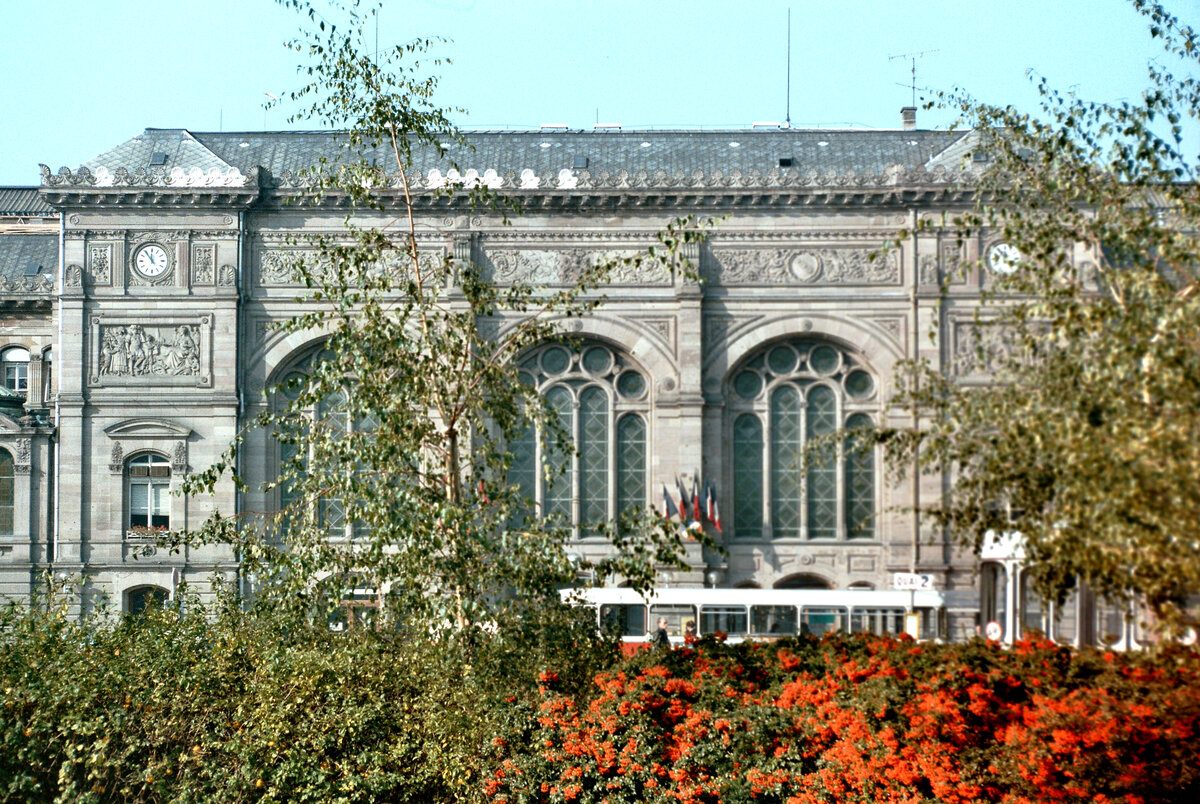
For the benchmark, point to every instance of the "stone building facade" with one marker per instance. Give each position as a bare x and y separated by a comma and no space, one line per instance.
166,264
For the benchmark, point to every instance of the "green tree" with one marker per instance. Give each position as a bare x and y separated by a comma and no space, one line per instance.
1087,441
397,435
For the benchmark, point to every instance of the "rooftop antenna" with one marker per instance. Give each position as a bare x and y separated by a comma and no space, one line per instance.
787,121
913,58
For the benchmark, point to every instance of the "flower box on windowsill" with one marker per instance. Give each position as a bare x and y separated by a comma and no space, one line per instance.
141,534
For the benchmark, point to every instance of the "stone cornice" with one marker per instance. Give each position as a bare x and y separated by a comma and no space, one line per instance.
153,188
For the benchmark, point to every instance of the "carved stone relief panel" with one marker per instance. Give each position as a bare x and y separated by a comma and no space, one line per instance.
927,269
179,457
227,277
204,258
953,260
892,325
567,265
73,277
173,351
277,267
978,349
99,264
803,266
662,327
24,456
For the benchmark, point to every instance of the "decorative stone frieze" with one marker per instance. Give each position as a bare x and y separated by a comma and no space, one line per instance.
794,266
278,267
566,266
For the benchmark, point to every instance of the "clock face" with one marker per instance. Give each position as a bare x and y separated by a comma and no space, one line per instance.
1003,258
151,260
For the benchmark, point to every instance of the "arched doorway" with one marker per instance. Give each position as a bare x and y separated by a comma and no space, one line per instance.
803,580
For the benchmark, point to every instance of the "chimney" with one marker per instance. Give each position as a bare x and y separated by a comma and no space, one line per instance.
908,117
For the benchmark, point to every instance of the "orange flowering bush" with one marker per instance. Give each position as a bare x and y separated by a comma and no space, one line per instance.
863,719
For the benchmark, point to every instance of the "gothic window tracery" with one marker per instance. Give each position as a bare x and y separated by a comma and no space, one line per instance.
785,397
602,401
329,413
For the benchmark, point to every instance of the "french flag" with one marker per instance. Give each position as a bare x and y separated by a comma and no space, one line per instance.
669,509
714,515
684,502
697,514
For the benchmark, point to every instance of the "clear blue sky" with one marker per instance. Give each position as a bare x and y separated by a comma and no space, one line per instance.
81,76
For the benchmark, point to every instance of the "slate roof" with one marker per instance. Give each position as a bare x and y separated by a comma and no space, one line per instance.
23,202
546,152
18,252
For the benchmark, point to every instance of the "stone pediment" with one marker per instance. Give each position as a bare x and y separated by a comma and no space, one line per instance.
147,428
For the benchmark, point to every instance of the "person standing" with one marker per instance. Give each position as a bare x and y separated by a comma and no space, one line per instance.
661,638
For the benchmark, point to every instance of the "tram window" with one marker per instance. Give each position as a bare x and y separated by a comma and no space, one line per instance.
1109,623
1032,609
730,620
677,618
933,625
993,594
773,620
1066,619
626,620
817,621
877,621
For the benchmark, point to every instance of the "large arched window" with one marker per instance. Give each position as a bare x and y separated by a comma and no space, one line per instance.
14,368
782,398
602,401
148,491
7,500
330,412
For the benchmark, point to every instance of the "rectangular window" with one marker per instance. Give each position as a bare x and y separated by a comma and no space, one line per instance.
769,620
149,504
729,620
139,504
16,376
